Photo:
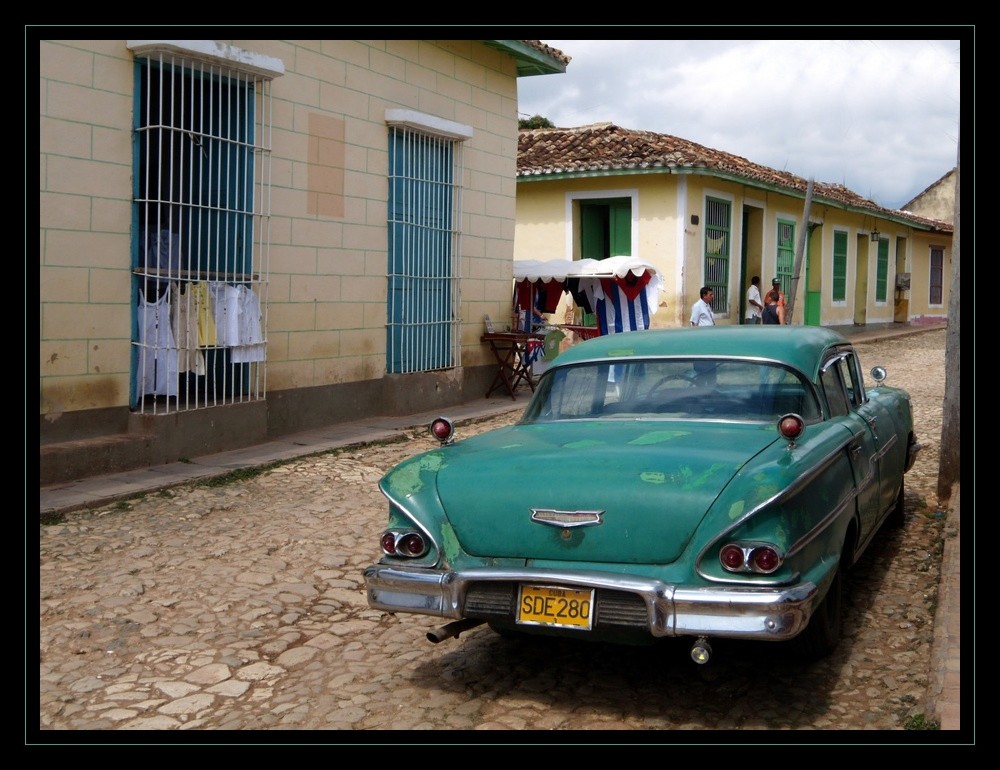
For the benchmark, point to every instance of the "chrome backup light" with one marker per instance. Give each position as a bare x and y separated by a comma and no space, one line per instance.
701,651
443,430
406,544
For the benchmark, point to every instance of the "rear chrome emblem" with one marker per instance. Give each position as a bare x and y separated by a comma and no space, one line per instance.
567,519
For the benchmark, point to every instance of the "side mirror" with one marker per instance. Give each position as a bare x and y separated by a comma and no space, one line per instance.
879,374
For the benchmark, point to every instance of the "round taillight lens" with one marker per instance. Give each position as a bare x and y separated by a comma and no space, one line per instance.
389,543
412,544
731,557
791,426
765,559
442,429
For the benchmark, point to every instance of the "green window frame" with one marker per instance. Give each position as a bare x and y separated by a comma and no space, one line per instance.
839,266
882,271
605,228
785,257
718,249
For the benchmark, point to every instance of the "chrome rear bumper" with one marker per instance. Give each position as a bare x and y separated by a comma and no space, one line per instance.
774,614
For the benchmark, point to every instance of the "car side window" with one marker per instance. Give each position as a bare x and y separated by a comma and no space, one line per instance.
857,388
834,390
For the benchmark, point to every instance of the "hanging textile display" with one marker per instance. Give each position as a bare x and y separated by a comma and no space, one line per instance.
623,292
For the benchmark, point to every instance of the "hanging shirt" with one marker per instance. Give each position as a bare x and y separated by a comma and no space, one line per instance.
251,345
184,325
207,334
157,348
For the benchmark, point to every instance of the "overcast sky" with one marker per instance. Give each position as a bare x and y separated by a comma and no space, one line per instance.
878,116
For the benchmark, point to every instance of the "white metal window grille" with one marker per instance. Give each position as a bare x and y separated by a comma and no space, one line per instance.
718,246
424,216
201,212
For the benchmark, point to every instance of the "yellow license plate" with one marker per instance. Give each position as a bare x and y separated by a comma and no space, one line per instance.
551,606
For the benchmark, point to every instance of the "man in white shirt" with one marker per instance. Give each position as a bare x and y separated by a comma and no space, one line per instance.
701,312
755,304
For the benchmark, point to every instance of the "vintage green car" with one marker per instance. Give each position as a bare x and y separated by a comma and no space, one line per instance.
700,483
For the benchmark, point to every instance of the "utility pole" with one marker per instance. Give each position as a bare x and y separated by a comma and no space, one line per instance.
951,422
800,251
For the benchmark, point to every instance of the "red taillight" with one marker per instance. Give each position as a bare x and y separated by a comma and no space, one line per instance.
791,426
409,544
442,429
412,544
765,559
731,557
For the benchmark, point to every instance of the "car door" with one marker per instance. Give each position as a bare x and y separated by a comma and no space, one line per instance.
862,449
889,460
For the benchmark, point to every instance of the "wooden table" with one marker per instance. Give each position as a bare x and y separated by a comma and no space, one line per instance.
584,332
510,349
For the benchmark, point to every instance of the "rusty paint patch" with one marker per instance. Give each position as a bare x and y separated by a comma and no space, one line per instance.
407,480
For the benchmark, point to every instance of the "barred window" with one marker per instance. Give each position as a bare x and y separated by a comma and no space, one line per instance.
839,266
882,271
424,214
785,258
936,283
200,246
718,246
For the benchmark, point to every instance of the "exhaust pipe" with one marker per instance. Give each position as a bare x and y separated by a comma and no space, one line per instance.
452,629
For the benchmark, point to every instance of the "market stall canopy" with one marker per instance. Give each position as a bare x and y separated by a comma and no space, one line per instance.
534,270
622,291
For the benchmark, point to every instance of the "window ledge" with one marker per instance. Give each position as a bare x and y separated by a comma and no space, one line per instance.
209,51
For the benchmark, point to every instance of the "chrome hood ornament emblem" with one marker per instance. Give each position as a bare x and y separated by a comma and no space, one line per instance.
567,519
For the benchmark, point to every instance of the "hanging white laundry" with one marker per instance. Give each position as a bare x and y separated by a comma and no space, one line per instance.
226,309
184,324
251,345
157,348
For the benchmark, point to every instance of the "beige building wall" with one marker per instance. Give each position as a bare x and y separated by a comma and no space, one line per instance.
327,288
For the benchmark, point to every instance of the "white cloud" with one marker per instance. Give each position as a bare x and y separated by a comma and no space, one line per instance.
880,116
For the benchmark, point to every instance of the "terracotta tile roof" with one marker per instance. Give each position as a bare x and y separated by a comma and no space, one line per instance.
548,50
607,147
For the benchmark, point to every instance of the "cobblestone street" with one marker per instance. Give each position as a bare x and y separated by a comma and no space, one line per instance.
241,606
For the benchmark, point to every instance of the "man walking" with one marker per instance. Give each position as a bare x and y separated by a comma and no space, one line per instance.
701,312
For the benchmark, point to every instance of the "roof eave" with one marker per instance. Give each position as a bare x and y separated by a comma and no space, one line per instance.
530,61
876,211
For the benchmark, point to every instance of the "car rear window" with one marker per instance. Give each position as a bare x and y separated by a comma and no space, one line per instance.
695,388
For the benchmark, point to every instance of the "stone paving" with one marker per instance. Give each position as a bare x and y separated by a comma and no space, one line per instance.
241,606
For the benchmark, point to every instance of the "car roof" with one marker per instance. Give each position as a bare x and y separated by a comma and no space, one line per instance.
802,347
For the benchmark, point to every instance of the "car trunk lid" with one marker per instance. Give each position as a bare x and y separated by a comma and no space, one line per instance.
621,492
